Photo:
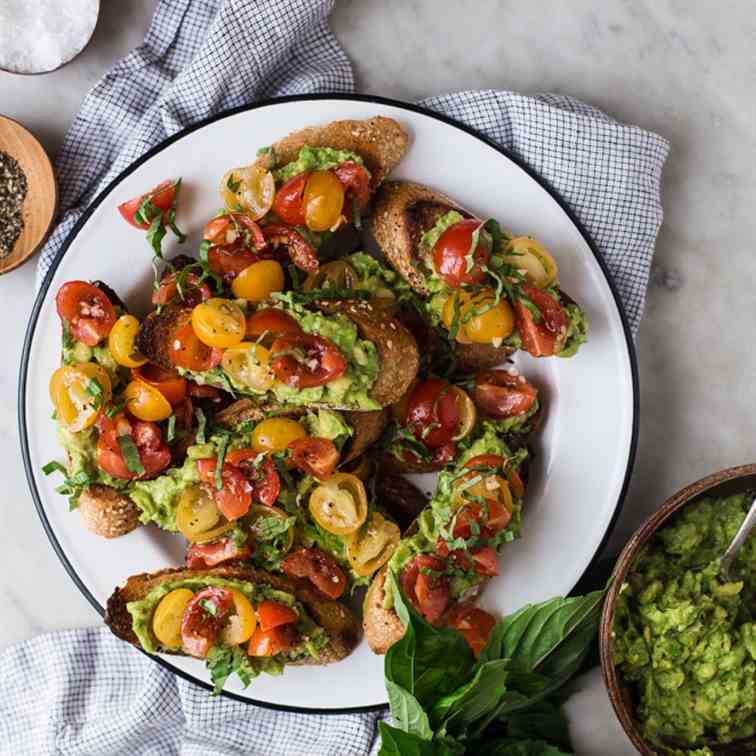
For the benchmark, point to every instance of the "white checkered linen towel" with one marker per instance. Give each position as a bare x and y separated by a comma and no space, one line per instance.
85,692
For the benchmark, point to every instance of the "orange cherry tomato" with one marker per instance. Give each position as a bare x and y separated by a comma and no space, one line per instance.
321,361
272,642
87,310
146,403
162,196
170,384
272,614
323,200
474,624
188,352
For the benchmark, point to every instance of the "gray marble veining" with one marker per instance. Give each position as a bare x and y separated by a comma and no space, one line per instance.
685,70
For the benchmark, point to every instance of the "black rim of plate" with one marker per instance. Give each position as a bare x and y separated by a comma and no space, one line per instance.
201,124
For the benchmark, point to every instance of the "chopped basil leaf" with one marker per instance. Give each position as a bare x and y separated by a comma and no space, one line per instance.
156,234
115,408
130,454
222,446
68,341
94,389
54,466
170,432
264,151
201,425
231,185
209,607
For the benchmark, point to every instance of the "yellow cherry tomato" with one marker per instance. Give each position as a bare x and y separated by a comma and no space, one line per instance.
197,516
323,200
219,323
340,504
166,620
533,260
337,274
258,281
121,342
241,625
370,548
249,189
480,320
247,365
275,434
491,487
467,413
145,402
78,393
258,514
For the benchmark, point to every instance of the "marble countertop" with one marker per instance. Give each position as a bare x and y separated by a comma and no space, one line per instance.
686,73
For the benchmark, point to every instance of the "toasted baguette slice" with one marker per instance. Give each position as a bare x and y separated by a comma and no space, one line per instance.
381,142
398,355
403,212
335,619
382,627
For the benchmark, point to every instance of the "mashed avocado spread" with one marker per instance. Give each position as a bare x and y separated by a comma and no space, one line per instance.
315,159
685,638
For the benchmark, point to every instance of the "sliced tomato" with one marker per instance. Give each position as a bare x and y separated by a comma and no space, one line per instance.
425,586
234,498
547,336
314,456
201,556
451,254
272,642
319,568
272,614
87,310
264,478
474,624
231,259
193,289
433,412
188,352
501,394
197,391
288,204
356,180
234,228
485,561
162,197
154,455
269,323
169,383
499,463
204,617
458,556
300,252
305,360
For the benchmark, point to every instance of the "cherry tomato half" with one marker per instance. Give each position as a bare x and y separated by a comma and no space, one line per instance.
499,463
356,180
323,200
200,626
305,360
272,614
162,196
269,323
201,556
474,624
314,456
425,586
154,455
231,259
272,642
219,323
121,342
232,228
170,384
300,252
288,204
433,412
87,310
263,476
547,336
319,568
193,290
501,394
188,352
451,254
234,498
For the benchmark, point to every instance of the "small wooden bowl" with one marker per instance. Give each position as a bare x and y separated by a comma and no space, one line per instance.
725,483
42,191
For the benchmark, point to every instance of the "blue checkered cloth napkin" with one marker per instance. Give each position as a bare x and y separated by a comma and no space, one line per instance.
84,692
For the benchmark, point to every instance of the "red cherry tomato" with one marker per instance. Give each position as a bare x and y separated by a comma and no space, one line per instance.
272,642
234,228
458,556
194,291
188,352
170,384
264,478
314,456
199,627
201,556
433,412
154,455
499,463
272,614
269,323
429,593
474,624
288,204
450,254
319,568
87,310
231,259
356,180
162,196
234,498
484,559
321,361
501,395
546,337
300,252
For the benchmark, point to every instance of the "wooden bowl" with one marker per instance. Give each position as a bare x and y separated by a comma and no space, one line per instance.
42,191
725,483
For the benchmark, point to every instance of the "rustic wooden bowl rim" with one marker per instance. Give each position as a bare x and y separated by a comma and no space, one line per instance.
625,560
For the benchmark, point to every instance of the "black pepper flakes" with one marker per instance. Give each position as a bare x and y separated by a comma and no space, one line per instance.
13,188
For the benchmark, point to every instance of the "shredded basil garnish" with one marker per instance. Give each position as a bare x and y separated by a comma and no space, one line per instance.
201,425
222,446
130,454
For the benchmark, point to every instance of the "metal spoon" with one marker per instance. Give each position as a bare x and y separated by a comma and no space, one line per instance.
740,538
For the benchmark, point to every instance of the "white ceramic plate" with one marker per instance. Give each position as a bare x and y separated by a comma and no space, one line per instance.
584,450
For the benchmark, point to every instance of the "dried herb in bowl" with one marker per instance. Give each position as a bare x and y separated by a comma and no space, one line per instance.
13,188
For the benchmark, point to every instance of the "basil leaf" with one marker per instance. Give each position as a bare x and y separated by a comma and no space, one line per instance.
395,742
54,466
407,712
130,454
201,425
264,151
232,185
209,607
156,234
222,446
94,389
516,747
170,432
68,341
115,408
542,720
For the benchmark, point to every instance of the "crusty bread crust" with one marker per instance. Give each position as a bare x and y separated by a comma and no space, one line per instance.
381,142
404,211
336,619
403,500
367,427
382,627
107,512
157,332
